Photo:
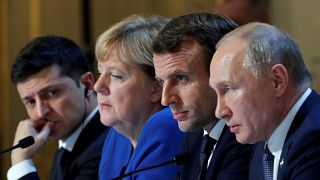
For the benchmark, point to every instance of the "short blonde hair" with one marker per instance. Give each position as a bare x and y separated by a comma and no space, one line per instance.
132,39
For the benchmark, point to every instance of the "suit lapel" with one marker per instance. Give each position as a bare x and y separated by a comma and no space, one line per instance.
191,144
296,123
93,129
256,167
214,168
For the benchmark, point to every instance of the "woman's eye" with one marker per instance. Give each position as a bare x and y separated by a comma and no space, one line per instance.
116,76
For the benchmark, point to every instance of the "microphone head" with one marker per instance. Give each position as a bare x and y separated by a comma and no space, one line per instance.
182,158
26,142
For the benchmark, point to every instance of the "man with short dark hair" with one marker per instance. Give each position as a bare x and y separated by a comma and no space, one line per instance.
55,84
182,55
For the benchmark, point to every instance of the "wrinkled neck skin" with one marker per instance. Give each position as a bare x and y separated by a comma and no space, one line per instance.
285,104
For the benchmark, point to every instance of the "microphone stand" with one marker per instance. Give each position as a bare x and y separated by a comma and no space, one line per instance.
143,169
9,149
179,159
23,143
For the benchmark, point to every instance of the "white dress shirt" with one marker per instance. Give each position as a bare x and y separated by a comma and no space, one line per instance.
215,133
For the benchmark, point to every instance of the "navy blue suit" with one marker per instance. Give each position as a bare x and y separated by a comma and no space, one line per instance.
83,161
230,159
300,157
159,141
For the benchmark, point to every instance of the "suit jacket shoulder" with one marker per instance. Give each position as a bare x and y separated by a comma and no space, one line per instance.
300,157
159,141
116,154
230,159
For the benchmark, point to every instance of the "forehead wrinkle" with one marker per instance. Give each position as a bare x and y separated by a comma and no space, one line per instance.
173,66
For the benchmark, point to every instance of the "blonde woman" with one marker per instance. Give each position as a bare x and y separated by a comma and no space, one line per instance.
144,132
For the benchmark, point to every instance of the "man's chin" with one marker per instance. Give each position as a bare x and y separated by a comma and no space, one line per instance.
243,140
187,128
55,136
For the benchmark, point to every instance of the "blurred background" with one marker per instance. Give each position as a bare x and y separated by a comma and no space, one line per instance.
83,20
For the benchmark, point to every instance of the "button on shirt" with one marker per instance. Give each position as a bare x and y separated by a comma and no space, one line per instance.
277,138
27,166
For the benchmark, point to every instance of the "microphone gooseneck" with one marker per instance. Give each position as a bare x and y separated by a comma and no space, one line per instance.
178,159
23,143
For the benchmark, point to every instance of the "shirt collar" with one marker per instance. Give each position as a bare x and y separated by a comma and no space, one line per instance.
216,131
69,142
277,138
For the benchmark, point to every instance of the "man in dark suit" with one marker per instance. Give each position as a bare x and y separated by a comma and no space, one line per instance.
264,94
54,81
182,54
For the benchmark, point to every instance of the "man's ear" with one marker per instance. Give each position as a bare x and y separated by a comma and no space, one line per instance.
87,79
279,76
156,91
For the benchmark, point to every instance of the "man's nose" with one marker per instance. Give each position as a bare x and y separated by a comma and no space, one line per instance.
43,109
222,110
169,97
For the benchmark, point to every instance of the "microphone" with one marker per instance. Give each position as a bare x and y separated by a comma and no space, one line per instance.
23,143
178,159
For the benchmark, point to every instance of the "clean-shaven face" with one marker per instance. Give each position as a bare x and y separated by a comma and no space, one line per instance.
184,77
244,101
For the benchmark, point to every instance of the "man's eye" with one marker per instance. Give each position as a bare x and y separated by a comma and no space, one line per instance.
180,77
52,93
228,88
29,103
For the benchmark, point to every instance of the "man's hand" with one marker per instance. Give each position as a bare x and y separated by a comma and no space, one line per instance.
26,128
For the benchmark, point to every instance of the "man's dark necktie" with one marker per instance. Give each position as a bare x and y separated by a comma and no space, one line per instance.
206,148
268,164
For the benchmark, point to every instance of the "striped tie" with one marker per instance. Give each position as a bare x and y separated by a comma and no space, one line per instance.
268,164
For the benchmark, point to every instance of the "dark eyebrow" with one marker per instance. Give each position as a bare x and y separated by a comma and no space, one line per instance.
42,91
158,79
50,87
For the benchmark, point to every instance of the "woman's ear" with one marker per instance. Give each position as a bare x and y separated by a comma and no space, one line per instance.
156,91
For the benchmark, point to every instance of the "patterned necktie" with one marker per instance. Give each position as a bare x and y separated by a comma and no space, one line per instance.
268,164
206,148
